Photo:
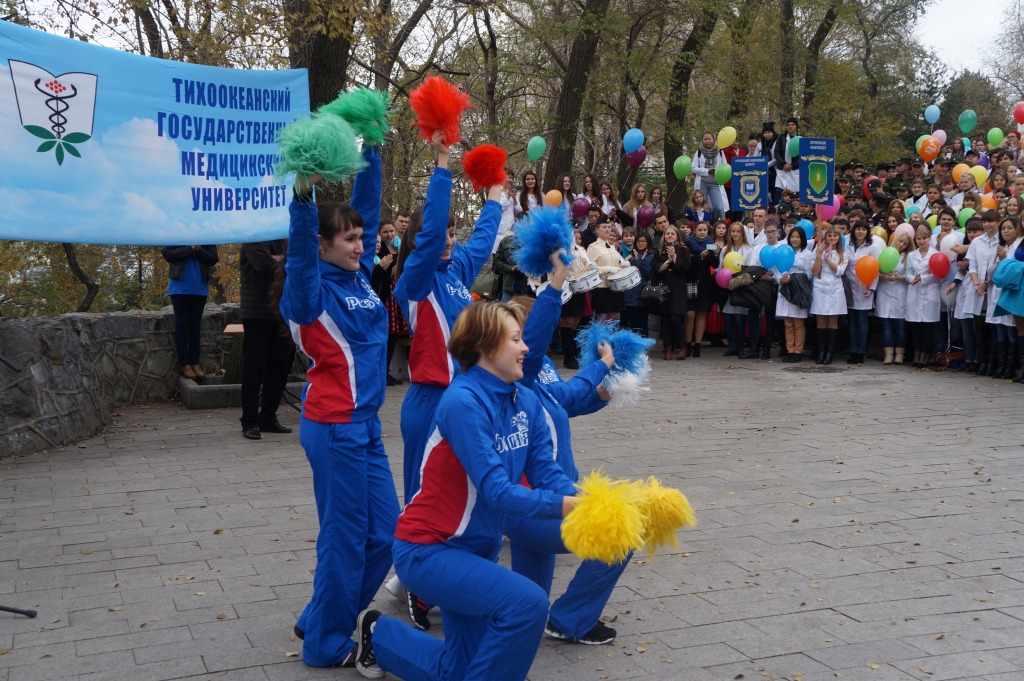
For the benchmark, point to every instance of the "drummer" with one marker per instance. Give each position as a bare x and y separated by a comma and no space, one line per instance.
606,302
572,310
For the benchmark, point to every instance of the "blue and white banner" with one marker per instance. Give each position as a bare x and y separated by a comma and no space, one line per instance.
105,147
749,183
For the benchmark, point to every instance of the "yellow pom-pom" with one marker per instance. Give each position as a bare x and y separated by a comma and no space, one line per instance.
606,524
665,511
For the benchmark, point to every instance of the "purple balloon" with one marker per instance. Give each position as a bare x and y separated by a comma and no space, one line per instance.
983,160
637,157
580,207
645,217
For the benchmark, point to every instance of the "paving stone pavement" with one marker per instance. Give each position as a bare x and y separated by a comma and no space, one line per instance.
856,525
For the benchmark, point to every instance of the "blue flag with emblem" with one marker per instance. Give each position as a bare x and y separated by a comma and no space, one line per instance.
817,169
749,183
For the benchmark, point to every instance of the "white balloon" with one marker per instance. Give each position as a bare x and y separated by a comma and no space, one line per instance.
952,239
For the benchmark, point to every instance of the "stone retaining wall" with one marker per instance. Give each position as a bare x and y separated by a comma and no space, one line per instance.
77,368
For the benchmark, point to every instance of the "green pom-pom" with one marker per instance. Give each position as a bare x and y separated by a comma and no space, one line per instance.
324,145
366,110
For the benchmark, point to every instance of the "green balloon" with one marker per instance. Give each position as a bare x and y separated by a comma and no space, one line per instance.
965,215
723,173
917,144
968,119
536,148
682,167
888,259
995,137
794,146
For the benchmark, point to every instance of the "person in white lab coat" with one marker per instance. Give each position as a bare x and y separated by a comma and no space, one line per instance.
891,303
792,316
923,300
971,288
736,318
508,212
529,195
1002,328
859,245
768,234
829,299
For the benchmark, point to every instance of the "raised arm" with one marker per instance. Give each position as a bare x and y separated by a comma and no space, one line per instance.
366,192
302,283
541,323
472,256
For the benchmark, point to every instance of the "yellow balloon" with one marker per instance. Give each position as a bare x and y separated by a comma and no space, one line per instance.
733,261
726,136
932,220
879,232
980,175
553,198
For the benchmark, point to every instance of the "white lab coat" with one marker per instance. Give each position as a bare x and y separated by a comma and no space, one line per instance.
701,177
829,297
891,296
744,251
531,201
923,301
786,179
802,264
979,254
755,239
508,218
994,291
860,301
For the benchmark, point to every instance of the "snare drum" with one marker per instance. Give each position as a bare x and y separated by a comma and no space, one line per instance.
624,279
586,280
566,290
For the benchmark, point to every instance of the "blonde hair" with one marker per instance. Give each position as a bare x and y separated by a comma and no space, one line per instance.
729,248
480,330
832,229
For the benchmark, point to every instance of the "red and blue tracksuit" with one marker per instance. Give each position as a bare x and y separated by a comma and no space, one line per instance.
487,434
534,543
339,322
432,292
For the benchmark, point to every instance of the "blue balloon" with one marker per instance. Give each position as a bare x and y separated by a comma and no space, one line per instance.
967,144
931,114
785,256
632,140
912,209
768,256
808,228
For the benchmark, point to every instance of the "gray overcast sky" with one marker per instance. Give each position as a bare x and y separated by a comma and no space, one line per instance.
956,30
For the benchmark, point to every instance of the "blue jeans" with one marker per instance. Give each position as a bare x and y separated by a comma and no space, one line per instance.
894,333
738,324
715,199
188,319
858,321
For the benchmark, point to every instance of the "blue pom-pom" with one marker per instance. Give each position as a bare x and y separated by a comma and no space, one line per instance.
628,346
543,232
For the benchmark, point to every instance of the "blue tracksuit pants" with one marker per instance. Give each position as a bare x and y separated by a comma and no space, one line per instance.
493,619
418,409
357,506
534,545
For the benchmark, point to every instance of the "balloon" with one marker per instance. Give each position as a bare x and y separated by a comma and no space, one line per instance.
794,146
808,228
940,135
967,144
888,259
958,170
733,261
932,220
645,217
723,173
948,242
939,265
726,136
580,207
903,229
989,202
880,233
637,157
785,256
935,231
828,211
919,142
536,148
912,209
767,256
983,160
632,140
864,186
682,167
722,277
968,119
1018,113
553,198
980,175
931,114
929,150
867,270
995,137
964,215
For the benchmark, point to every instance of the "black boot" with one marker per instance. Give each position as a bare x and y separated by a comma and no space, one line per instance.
984,351
696,350
569,349
830,344
1019,376
998,365
820,355
1012,360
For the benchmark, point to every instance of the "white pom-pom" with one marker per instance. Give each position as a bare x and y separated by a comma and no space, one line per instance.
625,389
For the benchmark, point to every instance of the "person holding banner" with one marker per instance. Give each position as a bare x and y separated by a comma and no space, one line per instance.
787,166
188,285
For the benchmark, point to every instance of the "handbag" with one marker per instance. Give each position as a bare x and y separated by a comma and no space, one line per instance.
691,290
487,285
654,294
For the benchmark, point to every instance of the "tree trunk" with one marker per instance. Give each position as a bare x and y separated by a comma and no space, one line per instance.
589,151
788,65
92,288
678,95
739,30
574,88
149,25
813,57
326,58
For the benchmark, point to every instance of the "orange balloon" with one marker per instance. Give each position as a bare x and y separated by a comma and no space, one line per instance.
867,270
988,202
959,169
553,198
930,149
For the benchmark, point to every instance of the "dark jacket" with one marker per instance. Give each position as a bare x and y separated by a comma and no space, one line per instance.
503,262
702,273
757,294
587,236
673,276
258,267
780,153
177,255
380,279
631,298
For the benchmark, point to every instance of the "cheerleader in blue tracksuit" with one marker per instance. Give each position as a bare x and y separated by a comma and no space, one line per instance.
487,434
576,615
340,323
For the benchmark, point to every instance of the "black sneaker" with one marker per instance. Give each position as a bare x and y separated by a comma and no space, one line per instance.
299,633
552,631
365,660
417,611
599,635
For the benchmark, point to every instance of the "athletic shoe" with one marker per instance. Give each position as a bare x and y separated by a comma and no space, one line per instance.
395,588
600,634
552,631
365,660
299,633
417,611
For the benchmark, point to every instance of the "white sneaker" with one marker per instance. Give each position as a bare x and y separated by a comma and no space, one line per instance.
395,588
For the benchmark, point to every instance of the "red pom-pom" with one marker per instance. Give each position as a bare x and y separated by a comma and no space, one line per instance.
439,105
485,166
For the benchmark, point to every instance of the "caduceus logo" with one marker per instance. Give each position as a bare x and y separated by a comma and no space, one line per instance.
57,109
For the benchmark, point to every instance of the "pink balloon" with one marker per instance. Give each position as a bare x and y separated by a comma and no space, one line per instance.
905,228
637,157
580,207
940,135
722,277
645,217
829,211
